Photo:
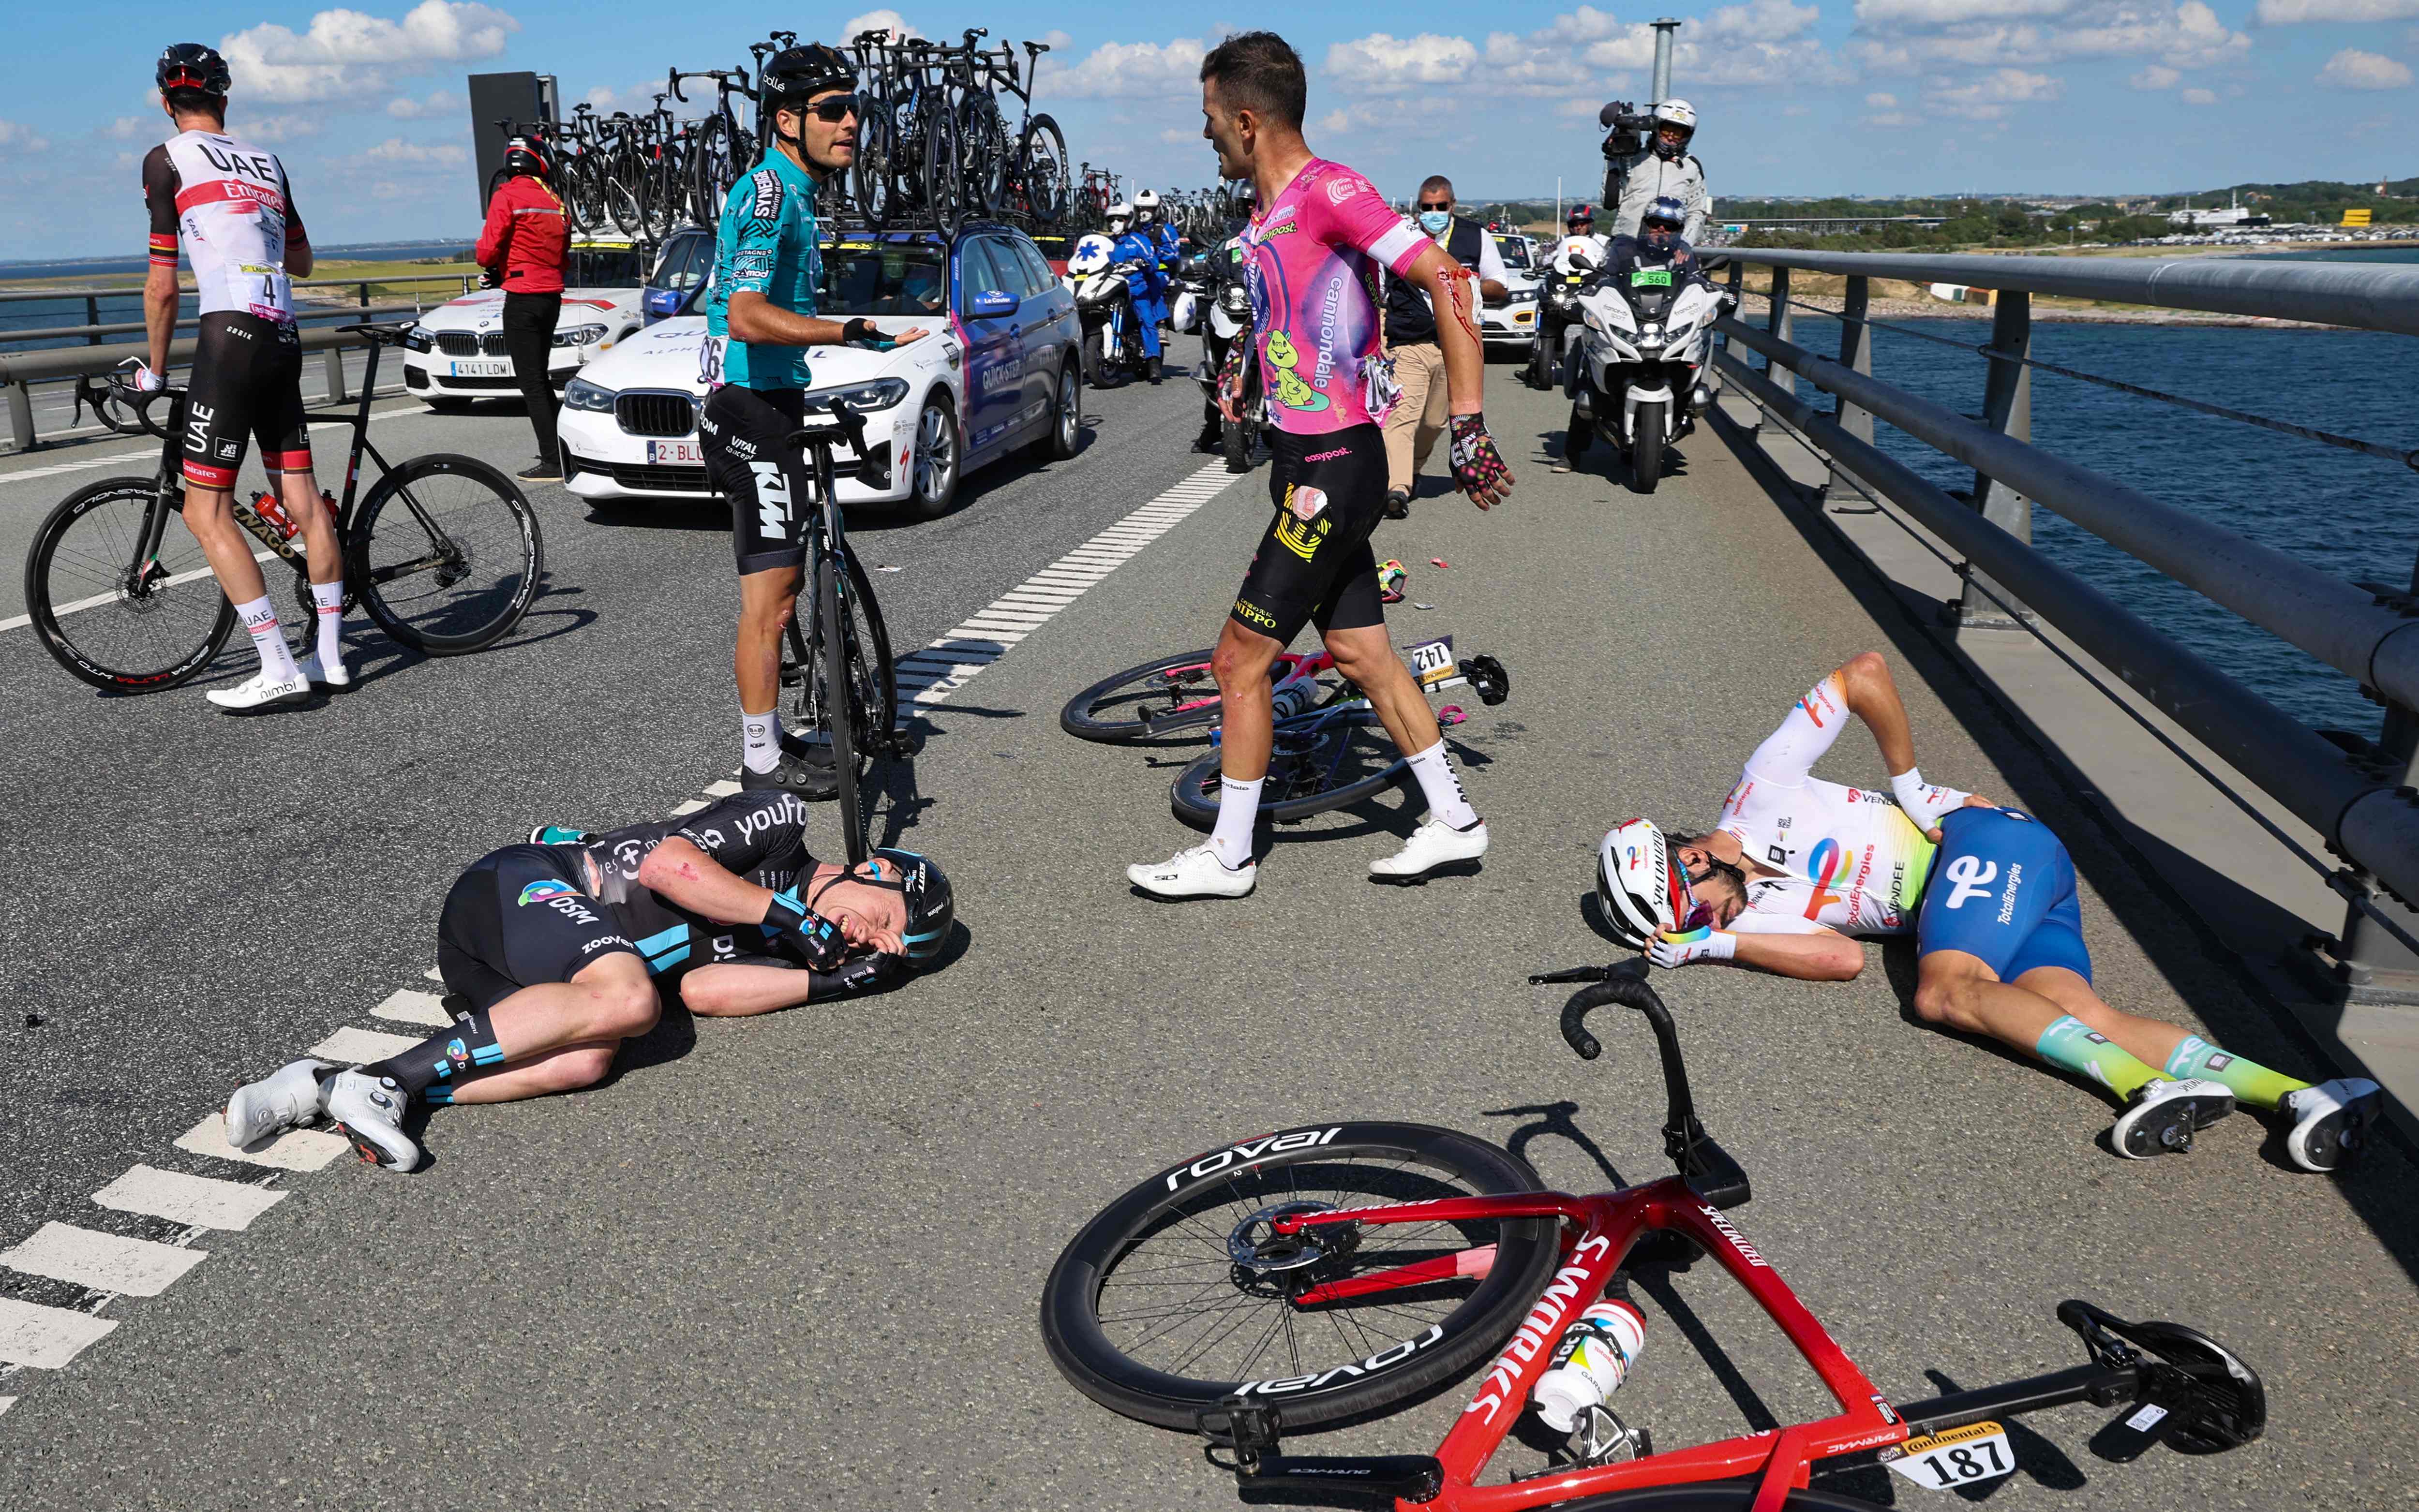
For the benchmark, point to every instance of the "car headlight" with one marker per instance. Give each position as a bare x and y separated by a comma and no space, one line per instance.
579,336
420,336
582,395
881,393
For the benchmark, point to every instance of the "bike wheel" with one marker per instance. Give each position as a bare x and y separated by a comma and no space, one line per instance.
1175,692
445,554
109,626
983,133
1041,164
941,173
1646,447
1325,760
622,201
870,176
1176,1296
865,718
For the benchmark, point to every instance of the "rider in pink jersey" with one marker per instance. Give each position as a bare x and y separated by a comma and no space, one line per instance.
1311,260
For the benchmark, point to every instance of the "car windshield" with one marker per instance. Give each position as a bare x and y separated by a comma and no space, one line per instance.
1516,252
882,279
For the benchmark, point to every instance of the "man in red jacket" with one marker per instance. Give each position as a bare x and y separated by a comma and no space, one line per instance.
523,249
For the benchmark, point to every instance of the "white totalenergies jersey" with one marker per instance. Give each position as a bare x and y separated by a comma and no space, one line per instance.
227,205
1853,862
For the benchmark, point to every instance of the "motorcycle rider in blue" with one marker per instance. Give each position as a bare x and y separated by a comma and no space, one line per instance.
1150,215
1139,245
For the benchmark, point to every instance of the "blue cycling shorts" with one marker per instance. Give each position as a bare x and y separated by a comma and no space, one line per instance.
2002,888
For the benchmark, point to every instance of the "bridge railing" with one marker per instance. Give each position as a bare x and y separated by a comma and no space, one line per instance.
2357,795
23,366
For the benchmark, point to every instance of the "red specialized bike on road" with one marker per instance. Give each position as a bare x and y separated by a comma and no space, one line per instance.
1323,1274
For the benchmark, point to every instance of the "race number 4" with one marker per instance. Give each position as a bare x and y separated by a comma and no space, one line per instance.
1952,1458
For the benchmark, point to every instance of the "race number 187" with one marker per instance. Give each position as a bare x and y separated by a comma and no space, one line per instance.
1953,1456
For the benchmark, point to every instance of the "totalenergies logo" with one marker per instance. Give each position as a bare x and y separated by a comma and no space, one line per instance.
1823,865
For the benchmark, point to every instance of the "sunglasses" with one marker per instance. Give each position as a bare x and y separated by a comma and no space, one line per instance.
837,108
1435,205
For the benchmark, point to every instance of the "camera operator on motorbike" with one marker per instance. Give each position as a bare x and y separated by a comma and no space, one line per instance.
1657,245
1637,176
1136,244
1418,416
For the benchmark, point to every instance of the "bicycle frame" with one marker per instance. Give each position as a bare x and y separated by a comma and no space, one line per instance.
1604,1228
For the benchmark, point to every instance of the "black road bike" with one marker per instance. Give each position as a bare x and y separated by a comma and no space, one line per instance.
442,551
839,652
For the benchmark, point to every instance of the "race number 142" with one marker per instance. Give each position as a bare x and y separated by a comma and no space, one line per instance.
1953,1456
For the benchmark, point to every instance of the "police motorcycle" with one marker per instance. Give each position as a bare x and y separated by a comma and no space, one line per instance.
1558,322
1645,334
1222,309
1104,303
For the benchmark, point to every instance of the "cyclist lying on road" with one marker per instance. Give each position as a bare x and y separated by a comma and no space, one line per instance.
556,948
1797,866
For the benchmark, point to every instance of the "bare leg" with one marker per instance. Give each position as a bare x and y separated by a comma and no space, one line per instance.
210,516
736,990
766,601
2147,1040
299,493
1367,656
1246,715
560,1035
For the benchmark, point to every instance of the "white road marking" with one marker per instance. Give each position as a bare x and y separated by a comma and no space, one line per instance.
47,1338
723,788
946,665
196,1201
433,975
294,1149
7,1402
20,621
362,1047
410,1007
689,807
104,1262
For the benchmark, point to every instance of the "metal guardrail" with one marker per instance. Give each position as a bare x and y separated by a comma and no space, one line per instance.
2362,802
135,290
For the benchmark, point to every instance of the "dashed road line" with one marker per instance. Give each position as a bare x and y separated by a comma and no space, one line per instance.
362,1046
408,1005
47,1338
101,1261
196,1201
294,1149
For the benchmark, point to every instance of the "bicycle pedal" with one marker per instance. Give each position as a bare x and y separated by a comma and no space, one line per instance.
1246,1430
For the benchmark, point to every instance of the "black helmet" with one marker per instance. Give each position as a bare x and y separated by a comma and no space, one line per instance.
932,907
1579,213
795,73
191,65
526,157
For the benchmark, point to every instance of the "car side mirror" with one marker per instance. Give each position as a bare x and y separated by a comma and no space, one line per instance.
663,302
988,303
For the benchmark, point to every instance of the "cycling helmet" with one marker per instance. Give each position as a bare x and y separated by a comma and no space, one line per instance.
1120,217
1642,889
1091,255
931,905
526,157
1147,206
1678,113
1665,216
795,75
191,65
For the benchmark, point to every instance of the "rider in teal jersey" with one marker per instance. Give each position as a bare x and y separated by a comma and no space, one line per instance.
758,322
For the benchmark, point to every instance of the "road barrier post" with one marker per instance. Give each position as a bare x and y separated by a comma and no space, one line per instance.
1857,354
334,366
1783,328
20,417
2007,408
92,317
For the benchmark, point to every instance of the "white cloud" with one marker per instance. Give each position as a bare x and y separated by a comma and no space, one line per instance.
1881,101
1056,39
2157,76
1912,36
276,131
348,53
2291,12
22,138
1118,70
1589,53
127,127
1892,118
1988,97
405,108
2200,97
440,154
1380,64
878,21
2353,68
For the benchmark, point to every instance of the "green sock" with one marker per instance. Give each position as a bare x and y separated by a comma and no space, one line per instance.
2076,1046
2250,1082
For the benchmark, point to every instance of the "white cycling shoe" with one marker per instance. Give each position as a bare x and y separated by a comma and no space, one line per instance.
1196,873
287,1098
261,694
369,1111
331,674
2162,1117
2330,1121
1434,844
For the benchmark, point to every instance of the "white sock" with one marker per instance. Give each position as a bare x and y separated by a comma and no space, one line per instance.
760,739
1441,788
1239,809
269,639
329,597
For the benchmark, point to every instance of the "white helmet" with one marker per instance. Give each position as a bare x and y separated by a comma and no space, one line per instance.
1147,206
1678,113
1642,893
1120,215
1091,255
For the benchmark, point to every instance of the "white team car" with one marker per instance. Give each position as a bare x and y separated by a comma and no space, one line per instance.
1513,321
466,358
999,371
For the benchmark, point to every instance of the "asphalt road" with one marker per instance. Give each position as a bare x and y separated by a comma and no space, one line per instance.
795,1260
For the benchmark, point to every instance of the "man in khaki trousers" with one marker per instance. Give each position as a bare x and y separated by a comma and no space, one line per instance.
1418,416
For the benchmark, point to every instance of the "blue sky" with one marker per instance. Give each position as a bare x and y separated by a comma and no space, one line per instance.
1873,97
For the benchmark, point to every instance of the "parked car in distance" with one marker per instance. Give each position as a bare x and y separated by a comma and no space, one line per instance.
467,361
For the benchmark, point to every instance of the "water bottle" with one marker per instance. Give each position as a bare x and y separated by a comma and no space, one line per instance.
1590,1362
1294,698
267,506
